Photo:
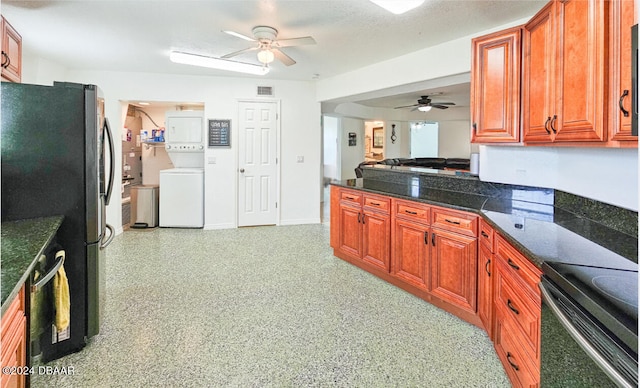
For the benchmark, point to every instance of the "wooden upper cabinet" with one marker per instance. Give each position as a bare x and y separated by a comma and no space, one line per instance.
11,68
622,18
537,75
495,87
564,73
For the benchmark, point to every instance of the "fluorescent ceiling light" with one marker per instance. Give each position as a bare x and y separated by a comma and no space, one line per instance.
398,6
233,33
216,63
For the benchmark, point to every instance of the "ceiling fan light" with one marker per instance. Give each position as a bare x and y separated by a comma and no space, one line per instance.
216,63
398,6
424,108
266,56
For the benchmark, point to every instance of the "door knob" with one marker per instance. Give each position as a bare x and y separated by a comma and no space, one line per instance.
242,170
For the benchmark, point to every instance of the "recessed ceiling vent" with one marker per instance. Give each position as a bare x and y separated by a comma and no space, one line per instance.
265,91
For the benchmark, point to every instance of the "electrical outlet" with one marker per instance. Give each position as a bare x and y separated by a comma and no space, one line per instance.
300,159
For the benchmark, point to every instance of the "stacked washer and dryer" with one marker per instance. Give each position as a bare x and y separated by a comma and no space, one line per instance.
182,187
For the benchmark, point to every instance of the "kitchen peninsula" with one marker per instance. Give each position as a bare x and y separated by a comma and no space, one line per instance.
477,249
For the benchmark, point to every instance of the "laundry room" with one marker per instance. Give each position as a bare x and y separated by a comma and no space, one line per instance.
151,156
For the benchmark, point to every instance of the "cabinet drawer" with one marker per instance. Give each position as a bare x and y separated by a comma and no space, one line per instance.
412,211
377,203
522,371
354,197
515,304
486,235
519,265
16,309
459,222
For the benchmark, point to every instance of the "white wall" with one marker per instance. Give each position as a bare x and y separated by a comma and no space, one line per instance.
300,136
351,157
454,140
330,157
604,174
399,149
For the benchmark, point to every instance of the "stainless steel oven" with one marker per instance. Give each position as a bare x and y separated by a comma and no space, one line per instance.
589,326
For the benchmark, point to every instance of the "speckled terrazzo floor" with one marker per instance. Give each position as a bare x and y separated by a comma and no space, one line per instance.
266,306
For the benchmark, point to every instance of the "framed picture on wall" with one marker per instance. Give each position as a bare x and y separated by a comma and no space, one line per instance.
378,137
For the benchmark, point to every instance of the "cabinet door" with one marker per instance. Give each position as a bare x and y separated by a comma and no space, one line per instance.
537,80
495,87
485,288
621,19
350,231
454,268
12,53
410,253
580,65
376,229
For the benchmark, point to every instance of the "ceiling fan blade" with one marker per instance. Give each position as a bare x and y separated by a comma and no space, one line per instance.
282,57
294,41
439,106
233,54
239,35
406,106
445,103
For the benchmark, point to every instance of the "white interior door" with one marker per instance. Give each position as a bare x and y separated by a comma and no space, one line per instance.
257,164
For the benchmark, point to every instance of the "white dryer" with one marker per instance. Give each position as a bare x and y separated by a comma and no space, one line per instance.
182,187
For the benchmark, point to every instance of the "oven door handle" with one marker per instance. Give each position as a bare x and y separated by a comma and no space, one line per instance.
60,255
580,339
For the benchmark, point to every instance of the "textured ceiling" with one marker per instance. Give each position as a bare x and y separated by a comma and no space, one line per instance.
137,35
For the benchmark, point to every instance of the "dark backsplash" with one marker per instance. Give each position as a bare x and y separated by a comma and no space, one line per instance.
619,219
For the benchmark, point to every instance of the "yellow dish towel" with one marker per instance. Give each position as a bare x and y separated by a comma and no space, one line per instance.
61,297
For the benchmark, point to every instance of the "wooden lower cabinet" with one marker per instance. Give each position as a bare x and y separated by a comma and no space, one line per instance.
517,312
411,253
350,239
451,259
364,227
453,268
376,232
14,342
485,288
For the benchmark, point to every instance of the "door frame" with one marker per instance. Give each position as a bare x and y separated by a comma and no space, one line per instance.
237,155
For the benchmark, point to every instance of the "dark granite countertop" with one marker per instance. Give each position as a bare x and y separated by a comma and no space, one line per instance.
22,242
540,230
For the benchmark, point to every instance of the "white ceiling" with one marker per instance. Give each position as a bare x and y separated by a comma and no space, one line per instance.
137,35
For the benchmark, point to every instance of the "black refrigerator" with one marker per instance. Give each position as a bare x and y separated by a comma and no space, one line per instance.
57,159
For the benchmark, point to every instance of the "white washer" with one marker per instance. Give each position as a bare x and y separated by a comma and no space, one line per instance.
182,198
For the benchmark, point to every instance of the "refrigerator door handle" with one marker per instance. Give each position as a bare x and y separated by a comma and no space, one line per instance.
112,233
112,161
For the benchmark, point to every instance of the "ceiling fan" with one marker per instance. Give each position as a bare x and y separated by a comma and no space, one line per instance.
424,105
268,46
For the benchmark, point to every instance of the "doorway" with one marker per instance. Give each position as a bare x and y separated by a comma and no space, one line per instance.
257,163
